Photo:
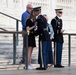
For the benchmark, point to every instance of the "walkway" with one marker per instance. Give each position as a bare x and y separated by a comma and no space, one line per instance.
49,71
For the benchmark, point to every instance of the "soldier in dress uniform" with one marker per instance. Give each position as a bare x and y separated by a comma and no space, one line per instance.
58,38
44,37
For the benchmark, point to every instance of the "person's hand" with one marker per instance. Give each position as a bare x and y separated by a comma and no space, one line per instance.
62,31
51,38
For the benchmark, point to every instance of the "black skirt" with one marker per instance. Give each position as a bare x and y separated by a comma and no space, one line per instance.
31,40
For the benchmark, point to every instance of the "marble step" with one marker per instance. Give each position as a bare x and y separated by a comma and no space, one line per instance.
10,49
12,67
8,62
5,62
10,36
9,54
16,67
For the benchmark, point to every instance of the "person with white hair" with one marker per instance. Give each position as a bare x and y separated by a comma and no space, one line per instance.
49,48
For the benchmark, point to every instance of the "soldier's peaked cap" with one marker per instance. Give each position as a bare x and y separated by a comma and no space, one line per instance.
57,10
37,8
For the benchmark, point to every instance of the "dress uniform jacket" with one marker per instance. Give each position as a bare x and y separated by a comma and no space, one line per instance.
57,26
42,28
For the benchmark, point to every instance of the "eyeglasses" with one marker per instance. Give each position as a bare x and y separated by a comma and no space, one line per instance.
60,12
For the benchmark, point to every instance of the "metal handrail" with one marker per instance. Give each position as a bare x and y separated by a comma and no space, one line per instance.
69,33
14,44
69,46
20,32
10,16
12,32
17,24
3,29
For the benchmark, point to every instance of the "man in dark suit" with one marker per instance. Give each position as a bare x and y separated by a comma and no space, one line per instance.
44,37
58,38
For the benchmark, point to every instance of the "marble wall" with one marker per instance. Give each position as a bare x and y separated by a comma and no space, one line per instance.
16,7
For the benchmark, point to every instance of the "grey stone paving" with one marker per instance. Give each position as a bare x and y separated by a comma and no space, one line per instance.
49,71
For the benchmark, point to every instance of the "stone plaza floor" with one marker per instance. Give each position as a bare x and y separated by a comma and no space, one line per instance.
49,71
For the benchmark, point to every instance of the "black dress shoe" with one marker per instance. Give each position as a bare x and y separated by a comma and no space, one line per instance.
58,66
40,68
